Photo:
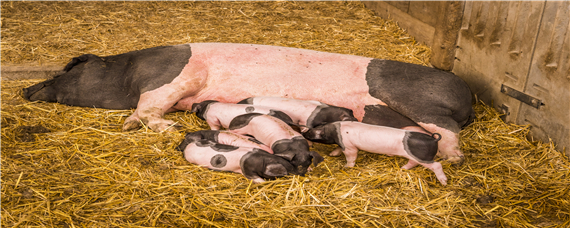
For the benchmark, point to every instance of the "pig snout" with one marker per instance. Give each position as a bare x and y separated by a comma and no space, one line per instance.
40,91
296,151
258,165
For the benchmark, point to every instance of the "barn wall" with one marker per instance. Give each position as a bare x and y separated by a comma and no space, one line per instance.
514,55
433,23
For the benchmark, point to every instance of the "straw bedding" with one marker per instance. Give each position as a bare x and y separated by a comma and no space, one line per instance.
73,167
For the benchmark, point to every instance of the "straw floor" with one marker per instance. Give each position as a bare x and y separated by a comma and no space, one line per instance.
68,166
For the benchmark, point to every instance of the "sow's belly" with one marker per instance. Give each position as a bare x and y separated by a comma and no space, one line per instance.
238,71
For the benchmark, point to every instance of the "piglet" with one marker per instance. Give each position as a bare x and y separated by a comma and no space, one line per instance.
279,136
219,115
306,113
352,136
254,163
224,137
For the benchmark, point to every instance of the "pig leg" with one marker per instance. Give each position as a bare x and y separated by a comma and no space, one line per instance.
410,164
214,124
153,104
258,180
449,144
336,152
435,167
350,154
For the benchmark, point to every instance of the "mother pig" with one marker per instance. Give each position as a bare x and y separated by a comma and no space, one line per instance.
170,78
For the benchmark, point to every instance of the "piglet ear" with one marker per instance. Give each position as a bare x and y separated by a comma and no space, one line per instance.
275,170
313,134
196,107
317,158
287,155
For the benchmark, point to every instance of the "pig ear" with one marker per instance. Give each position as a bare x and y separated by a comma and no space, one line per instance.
287,155
317,158
275,170
195,107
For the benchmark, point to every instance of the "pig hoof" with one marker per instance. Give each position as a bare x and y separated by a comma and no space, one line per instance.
163,125
336,152
130,125
456,160
258,180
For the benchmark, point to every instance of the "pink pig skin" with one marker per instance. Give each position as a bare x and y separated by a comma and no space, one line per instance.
273,130
298,110
253,163
304,113
381,140
224,137
229,138
202,156
219,115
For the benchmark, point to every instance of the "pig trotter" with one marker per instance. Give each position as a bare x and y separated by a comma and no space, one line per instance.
132,123
161,125
258,180
336,152
411,164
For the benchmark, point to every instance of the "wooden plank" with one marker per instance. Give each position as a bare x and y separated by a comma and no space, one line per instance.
21,72
495,48
549,78
446,33
427,11
401,5
423,32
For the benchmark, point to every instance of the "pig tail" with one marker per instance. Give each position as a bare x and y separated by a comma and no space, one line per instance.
436,138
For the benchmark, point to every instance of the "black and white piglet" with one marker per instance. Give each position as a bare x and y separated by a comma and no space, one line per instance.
224,137
279,136
305,113
254,163
218,114
352,136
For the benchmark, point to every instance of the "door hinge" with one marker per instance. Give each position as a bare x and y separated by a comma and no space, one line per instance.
523,97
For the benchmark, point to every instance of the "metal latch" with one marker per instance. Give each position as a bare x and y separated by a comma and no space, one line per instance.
523,97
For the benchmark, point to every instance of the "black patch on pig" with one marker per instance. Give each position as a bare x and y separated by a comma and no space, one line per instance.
259,163
249,109
421,93
216,146
112,82
254,140
324,114
219,161
201,109
421,146
384,116
296,151
327,134
248,100
282,116
192,137
26,133
242,120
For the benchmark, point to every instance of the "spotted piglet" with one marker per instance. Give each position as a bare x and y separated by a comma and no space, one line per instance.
254,163
352,136
224,137
279,136
218,114
306,113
